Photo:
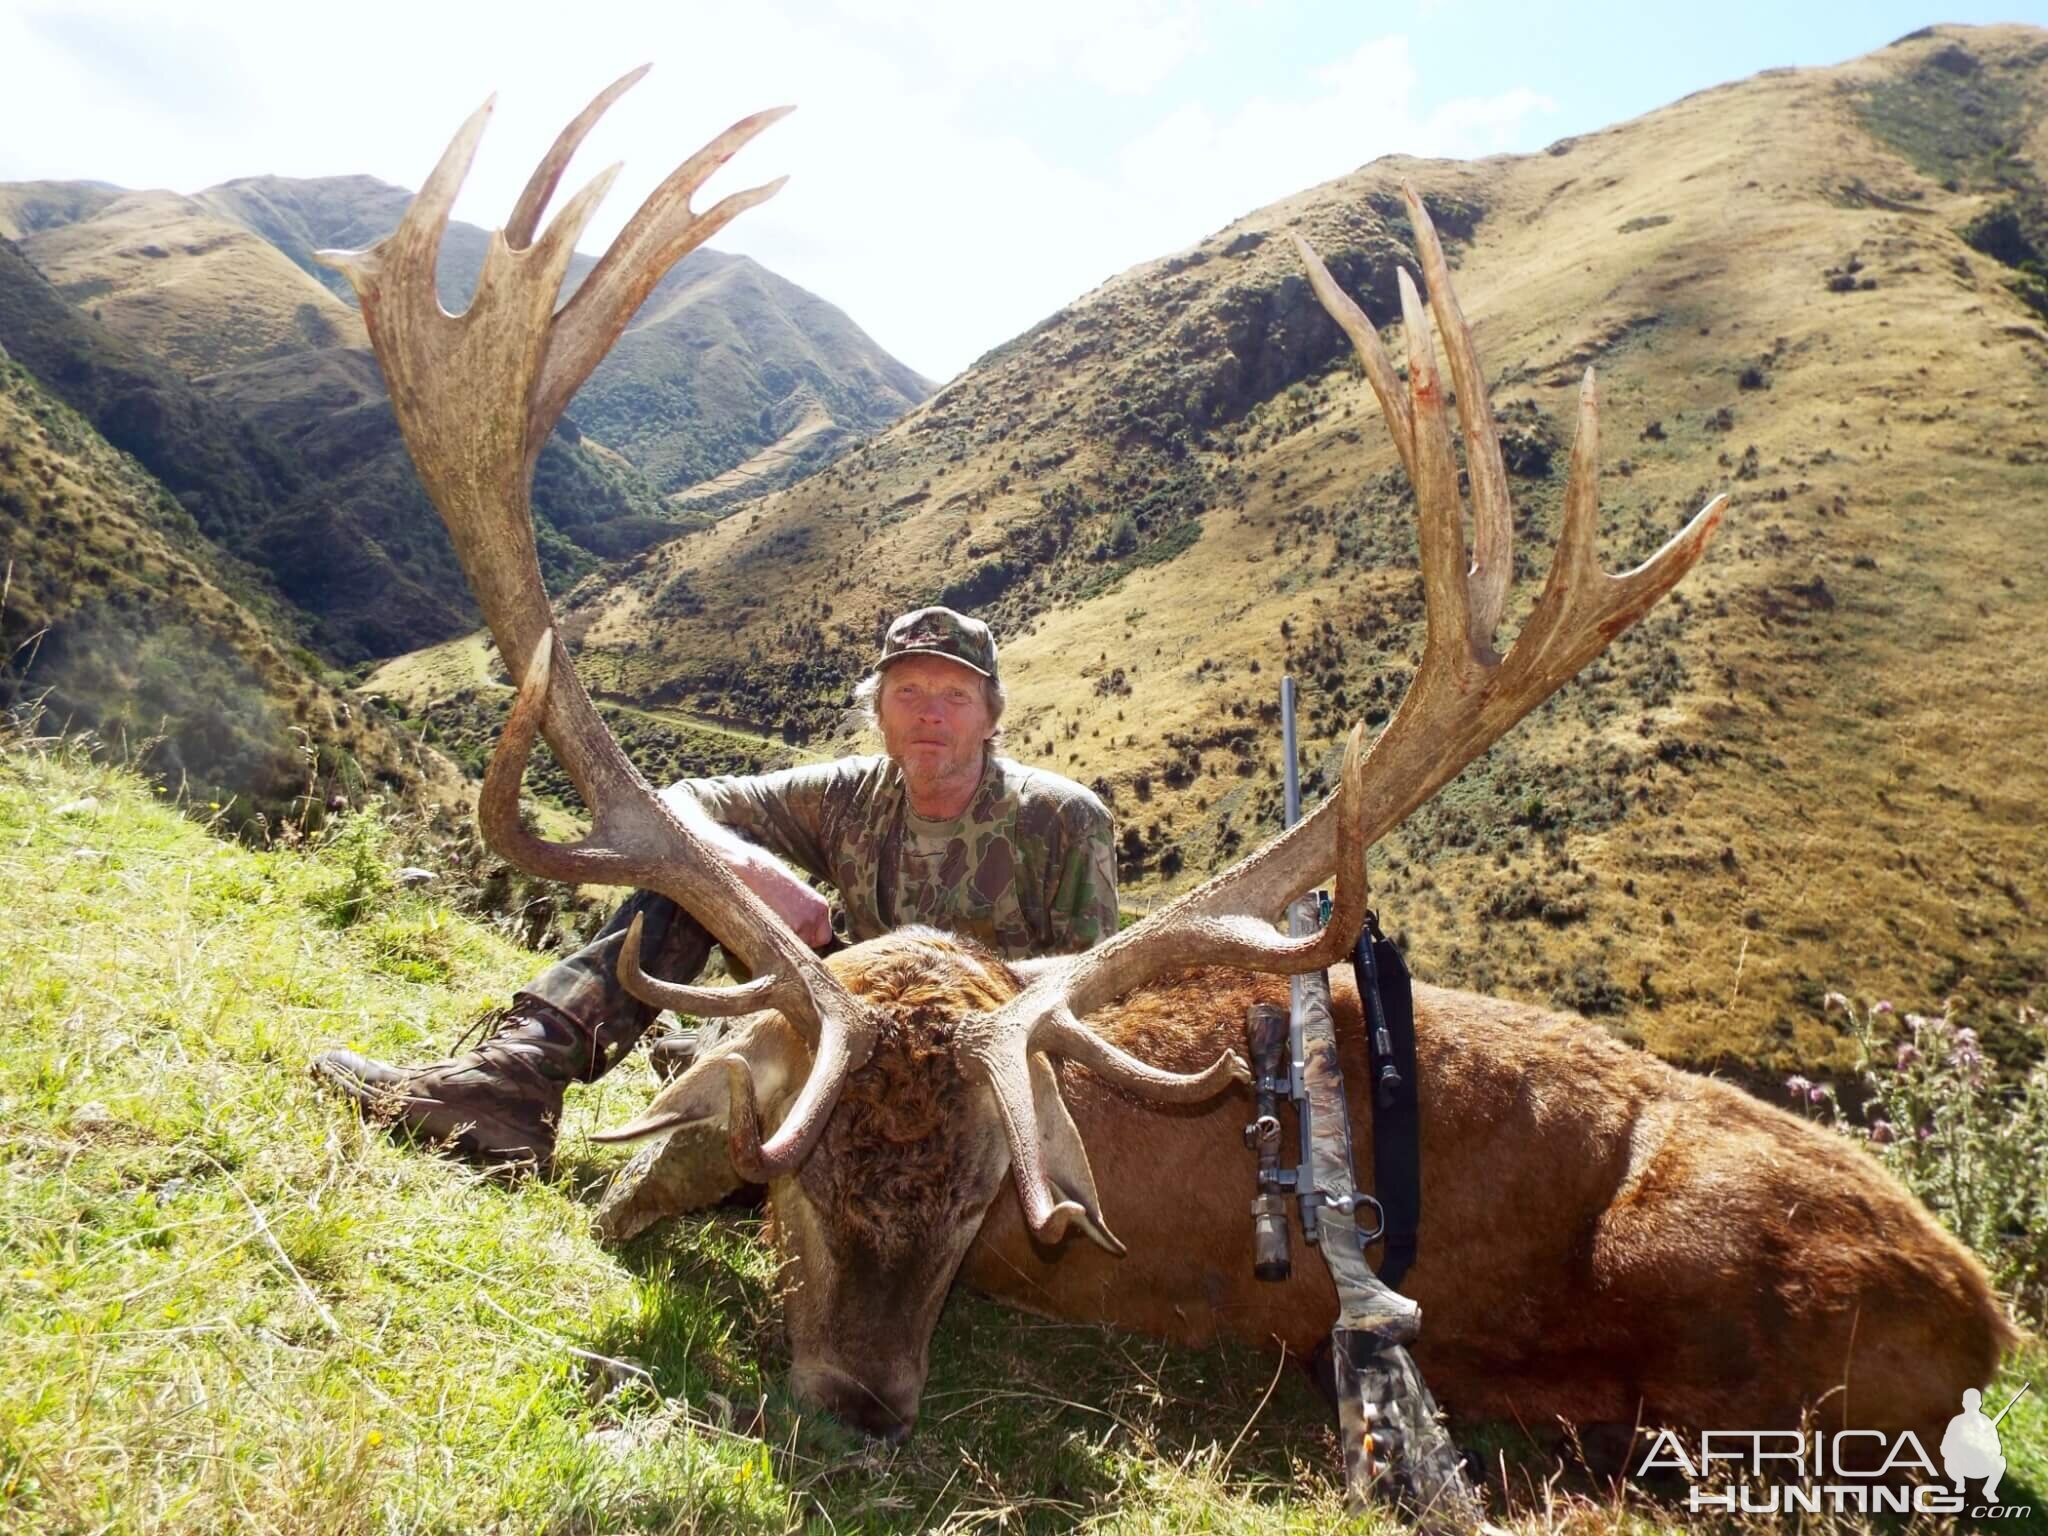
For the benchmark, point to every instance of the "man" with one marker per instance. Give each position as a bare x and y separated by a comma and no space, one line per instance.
939,830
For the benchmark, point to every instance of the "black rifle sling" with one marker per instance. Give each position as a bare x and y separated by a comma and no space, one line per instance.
1385,996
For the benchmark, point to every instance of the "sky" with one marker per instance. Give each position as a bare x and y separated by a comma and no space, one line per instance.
958,171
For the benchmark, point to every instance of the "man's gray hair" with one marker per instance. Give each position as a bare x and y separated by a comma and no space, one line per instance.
993,693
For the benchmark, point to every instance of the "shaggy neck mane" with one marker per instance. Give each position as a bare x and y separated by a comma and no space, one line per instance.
890,1149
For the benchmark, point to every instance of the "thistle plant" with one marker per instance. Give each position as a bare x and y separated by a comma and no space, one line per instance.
1967,1140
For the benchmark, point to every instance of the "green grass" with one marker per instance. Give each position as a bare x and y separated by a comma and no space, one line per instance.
225,1306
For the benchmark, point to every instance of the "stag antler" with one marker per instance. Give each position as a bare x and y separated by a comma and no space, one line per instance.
476,396
1463,698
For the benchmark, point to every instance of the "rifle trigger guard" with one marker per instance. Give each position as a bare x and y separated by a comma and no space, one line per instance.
1350,1205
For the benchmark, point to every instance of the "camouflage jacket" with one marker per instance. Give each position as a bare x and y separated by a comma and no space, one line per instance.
1027,869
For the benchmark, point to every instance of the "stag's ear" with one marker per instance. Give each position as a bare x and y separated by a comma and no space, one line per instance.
691,1165
1066,1159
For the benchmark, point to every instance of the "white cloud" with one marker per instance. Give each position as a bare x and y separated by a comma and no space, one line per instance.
940,235
1213,169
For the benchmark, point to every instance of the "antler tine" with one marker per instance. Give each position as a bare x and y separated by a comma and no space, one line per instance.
1583,607
1365,340
1440,516
417,240
550,257
1040,1131
1577,562
541,185
1061,1034
1492,517
838,1054
706,1002
654,239
743,1120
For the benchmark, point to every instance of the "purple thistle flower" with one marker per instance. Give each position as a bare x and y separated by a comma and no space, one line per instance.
1816,1094
1881,1007
1797,1087
1909,1053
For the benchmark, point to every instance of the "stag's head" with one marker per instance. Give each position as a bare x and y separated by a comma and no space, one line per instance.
884,1097
876,1221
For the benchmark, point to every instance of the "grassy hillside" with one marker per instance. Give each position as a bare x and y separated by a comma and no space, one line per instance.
118,616
163,272
1814,764
223,471
27,206
224,1306
295,466
361,548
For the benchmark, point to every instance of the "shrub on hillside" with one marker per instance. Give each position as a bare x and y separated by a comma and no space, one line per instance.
360,879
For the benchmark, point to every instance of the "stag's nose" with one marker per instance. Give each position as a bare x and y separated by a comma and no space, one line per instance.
884,1410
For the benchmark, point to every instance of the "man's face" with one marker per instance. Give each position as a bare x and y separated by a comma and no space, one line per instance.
934,715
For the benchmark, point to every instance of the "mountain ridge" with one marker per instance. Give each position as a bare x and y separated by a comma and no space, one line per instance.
726,362
303,215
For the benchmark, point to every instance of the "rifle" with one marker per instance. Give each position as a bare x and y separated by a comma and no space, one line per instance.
1392,1438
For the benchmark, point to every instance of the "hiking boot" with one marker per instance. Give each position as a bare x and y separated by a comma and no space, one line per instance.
673,1054
497,1106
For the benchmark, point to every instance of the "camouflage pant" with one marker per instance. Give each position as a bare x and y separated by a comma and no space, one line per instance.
585,987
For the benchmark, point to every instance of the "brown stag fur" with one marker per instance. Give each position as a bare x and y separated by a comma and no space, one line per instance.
1607,1238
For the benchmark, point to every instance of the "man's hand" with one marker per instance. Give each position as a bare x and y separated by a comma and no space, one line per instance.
808,914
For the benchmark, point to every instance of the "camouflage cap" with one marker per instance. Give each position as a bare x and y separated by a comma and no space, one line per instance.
941,632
